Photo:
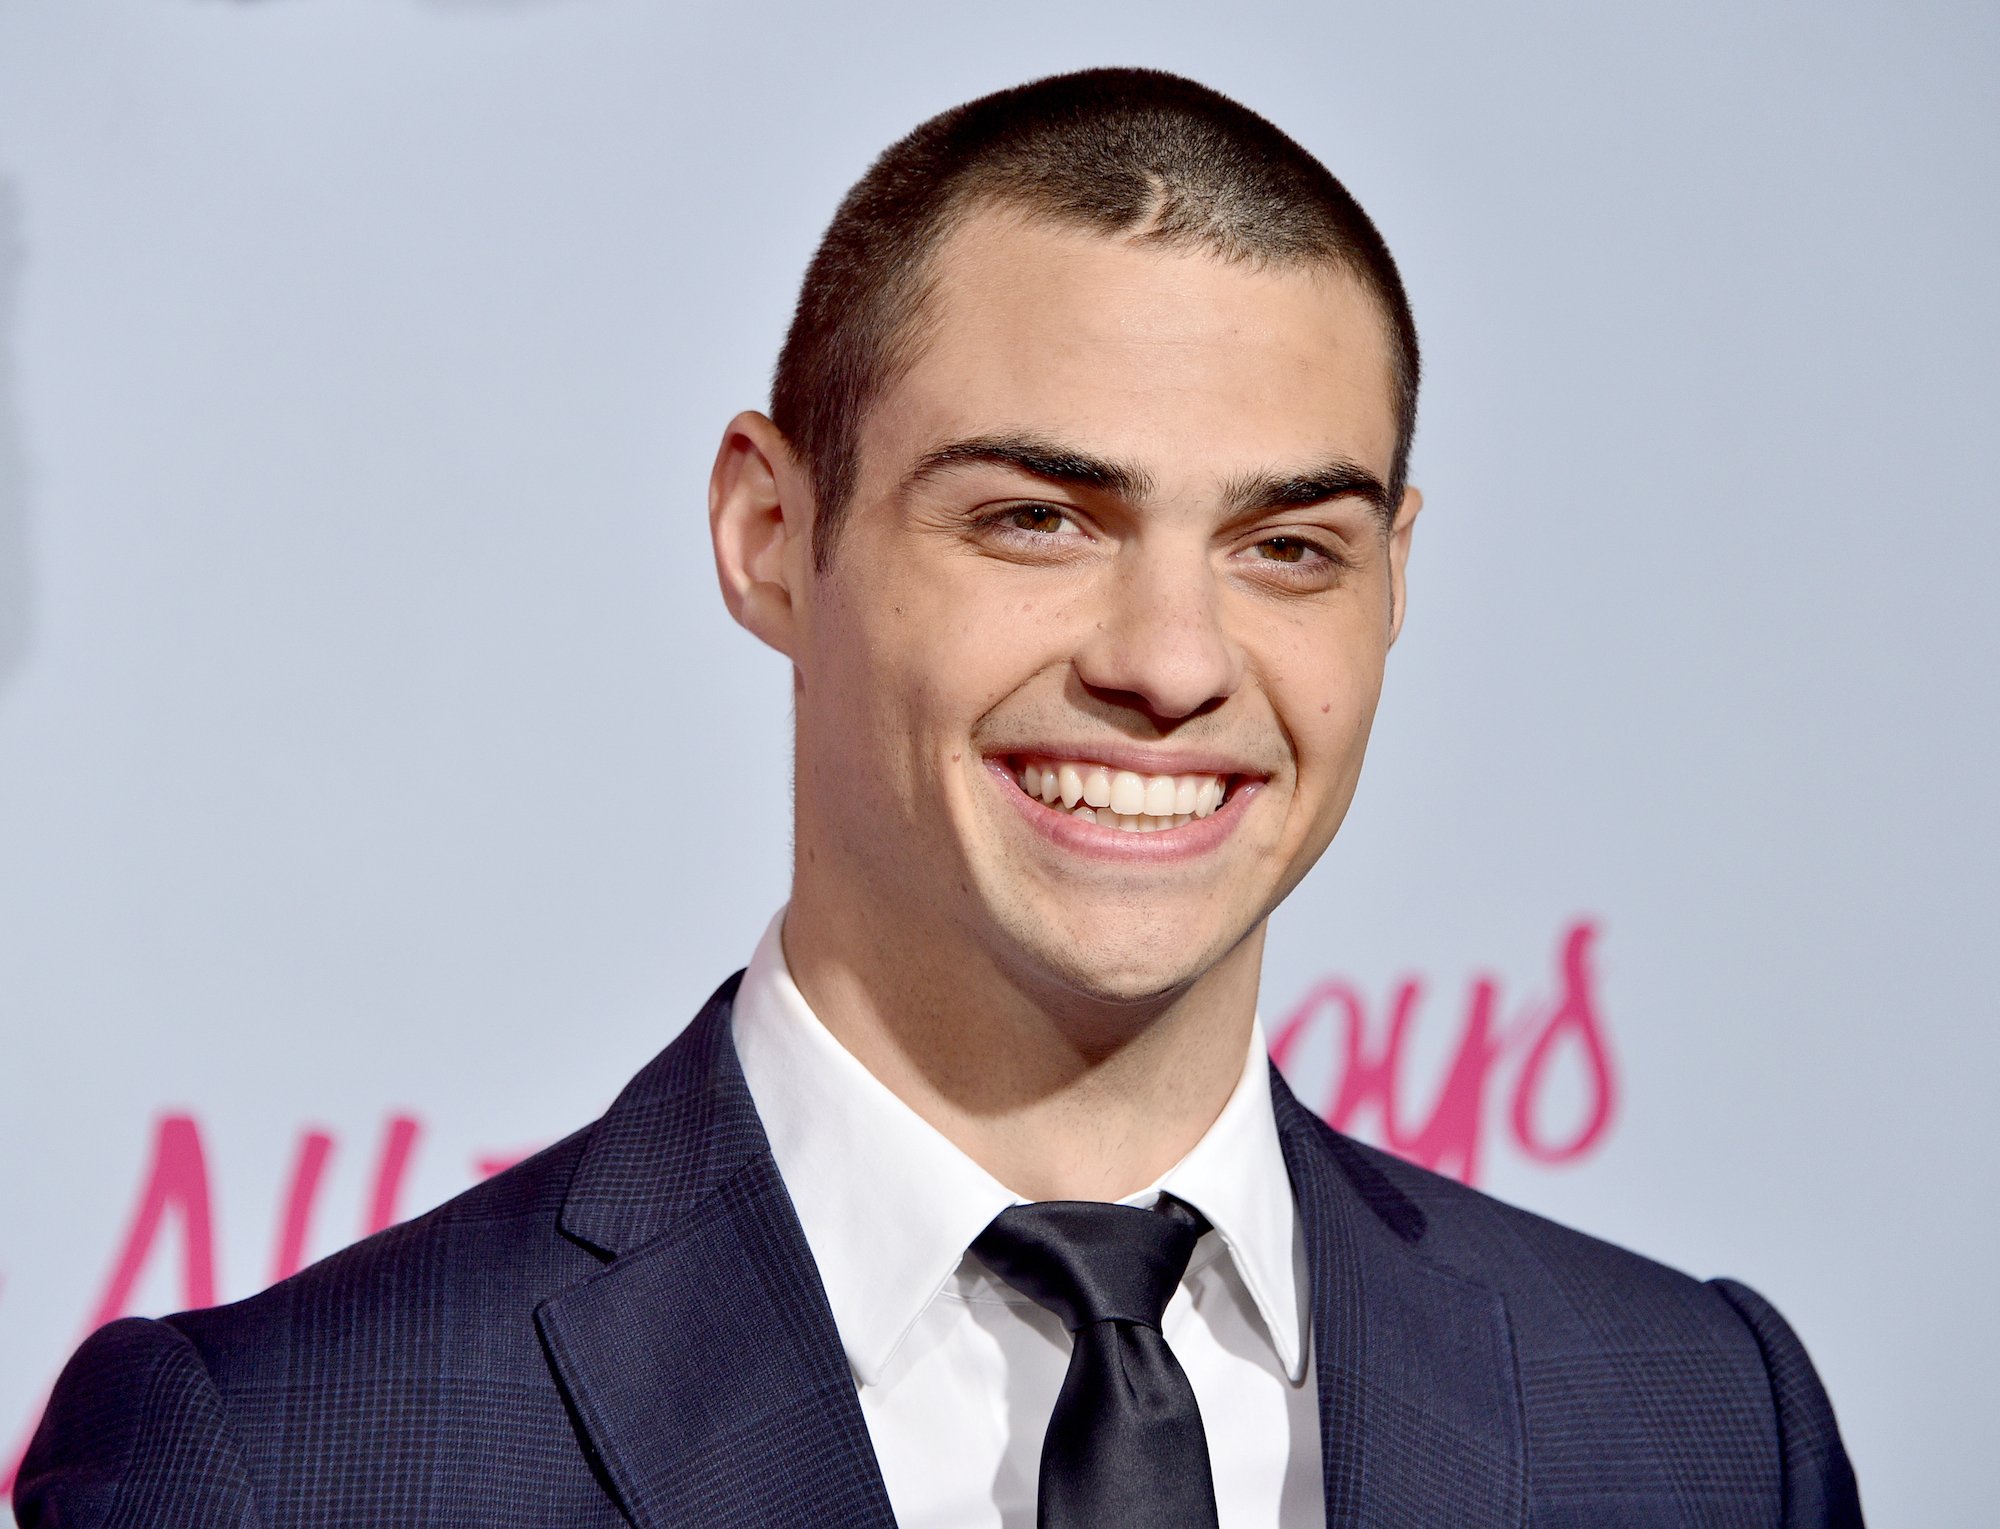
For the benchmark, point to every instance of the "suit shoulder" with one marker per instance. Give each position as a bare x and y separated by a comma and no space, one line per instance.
134,1432
1559,1283
1609,1341
465,1274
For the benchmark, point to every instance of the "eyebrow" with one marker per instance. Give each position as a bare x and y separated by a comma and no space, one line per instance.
1253,494
1336,478
1039,459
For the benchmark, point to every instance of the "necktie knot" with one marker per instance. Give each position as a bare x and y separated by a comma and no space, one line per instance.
1125,1443
1091,1262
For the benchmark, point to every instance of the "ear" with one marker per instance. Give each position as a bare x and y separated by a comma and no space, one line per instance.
1399,557
760,521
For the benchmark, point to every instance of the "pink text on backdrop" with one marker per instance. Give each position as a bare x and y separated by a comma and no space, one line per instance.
1370,1079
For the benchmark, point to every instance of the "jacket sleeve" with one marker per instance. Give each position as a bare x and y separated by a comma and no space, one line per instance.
135,1435
1819,1488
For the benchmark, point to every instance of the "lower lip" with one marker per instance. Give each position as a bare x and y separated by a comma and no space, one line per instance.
1163,846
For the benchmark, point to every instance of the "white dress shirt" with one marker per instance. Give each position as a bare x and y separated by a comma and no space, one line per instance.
958,1372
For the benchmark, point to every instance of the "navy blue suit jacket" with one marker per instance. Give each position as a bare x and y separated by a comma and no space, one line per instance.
629,1328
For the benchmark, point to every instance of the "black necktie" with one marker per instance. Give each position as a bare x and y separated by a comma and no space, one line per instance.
1125,1444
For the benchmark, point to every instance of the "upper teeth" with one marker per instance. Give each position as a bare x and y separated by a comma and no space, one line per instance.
1122,798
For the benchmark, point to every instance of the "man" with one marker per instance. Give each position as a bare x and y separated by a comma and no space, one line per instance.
1082,517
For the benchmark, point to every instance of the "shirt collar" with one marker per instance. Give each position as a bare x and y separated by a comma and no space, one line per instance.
1236,1177
889,1204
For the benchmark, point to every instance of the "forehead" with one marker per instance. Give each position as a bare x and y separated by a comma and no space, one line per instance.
1200,368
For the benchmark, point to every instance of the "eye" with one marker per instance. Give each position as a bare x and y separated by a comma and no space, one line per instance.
1290,560
1031,528
1036,519
1287,549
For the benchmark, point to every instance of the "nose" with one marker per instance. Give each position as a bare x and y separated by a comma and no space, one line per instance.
1159,643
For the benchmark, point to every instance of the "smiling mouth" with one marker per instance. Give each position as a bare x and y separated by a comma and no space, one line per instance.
1121,799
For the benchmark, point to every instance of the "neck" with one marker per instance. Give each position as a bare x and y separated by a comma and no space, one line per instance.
1057,1095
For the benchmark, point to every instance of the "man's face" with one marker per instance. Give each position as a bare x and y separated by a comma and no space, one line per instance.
1118,531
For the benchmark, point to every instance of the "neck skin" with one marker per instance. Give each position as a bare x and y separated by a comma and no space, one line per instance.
1058,1096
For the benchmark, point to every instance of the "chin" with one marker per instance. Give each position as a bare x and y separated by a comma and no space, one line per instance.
1124,973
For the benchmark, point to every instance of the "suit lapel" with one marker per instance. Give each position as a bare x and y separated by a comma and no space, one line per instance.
1420,1419
701,1364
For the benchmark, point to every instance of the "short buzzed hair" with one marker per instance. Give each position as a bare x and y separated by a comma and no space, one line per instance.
1121,151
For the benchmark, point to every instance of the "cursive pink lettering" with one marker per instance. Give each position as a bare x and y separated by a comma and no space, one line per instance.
1371,1079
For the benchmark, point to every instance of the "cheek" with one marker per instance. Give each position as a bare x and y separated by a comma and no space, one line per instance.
971,636
940,670
1332,710
906,679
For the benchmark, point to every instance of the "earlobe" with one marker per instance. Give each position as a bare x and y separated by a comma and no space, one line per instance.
1399,558
759,525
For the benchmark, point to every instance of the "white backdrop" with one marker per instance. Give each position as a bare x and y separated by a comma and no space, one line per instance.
373,746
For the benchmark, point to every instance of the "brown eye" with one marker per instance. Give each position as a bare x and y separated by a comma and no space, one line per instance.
1035,517
1285,549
